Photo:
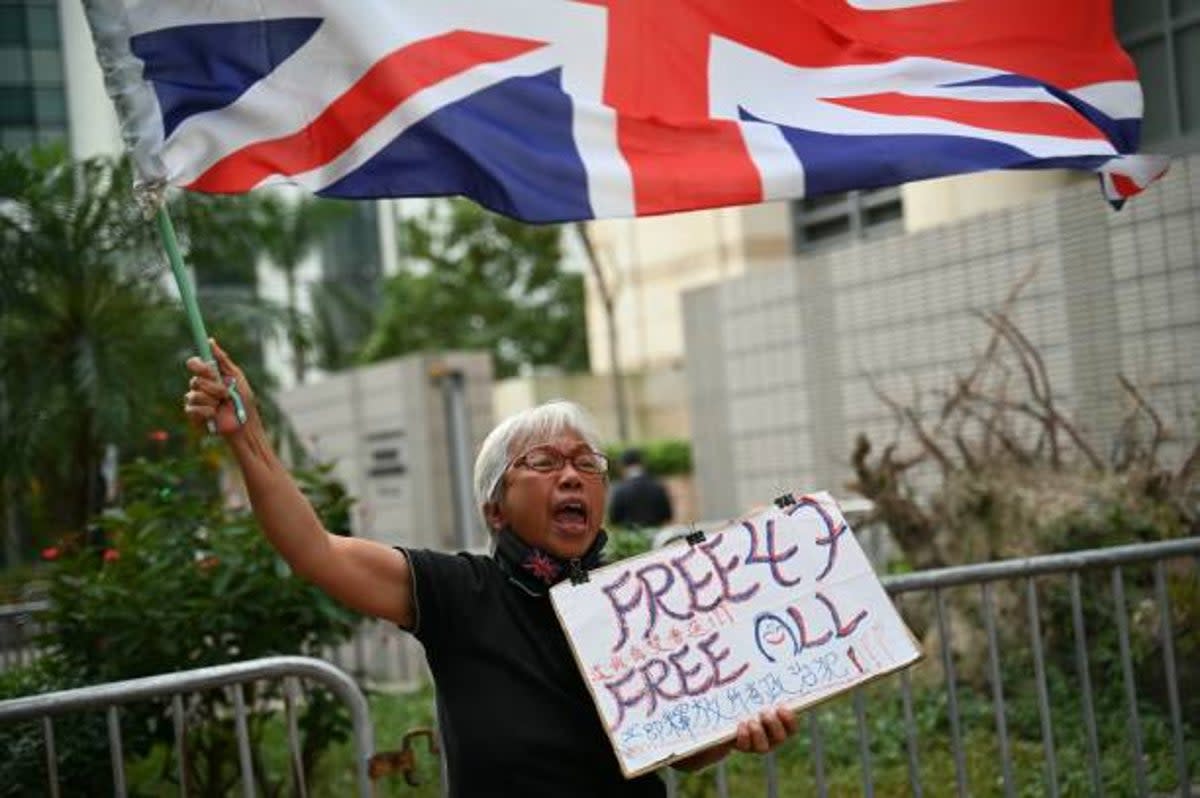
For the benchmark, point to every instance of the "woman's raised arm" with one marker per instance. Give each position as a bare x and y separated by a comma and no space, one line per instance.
365,575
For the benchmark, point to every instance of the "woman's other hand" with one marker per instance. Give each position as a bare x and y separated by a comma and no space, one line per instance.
208,399
759,735
766,732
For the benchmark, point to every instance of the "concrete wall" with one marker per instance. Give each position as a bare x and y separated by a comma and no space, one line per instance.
930,203
384,426
782,365
650,263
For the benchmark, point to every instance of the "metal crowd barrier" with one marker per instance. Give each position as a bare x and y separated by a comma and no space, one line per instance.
19,630
982,580
110,696
931,585
377,654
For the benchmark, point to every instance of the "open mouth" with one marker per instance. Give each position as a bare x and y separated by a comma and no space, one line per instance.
571,513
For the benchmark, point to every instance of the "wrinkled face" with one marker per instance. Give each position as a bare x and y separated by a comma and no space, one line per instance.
558,511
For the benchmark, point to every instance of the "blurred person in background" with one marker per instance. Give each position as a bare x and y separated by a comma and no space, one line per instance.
639,499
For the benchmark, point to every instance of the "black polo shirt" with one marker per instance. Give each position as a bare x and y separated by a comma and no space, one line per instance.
516,718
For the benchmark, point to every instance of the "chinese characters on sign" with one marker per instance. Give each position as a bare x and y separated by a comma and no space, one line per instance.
679,645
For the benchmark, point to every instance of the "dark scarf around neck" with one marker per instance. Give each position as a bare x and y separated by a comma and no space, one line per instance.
535,571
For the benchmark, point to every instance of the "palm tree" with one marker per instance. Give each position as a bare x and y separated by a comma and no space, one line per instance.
289,229
89,338
222,241
341,322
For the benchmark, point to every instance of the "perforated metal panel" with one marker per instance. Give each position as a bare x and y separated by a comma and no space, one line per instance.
803,347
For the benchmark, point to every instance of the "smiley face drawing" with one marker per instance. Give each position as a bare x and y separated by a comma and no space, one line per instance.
774,637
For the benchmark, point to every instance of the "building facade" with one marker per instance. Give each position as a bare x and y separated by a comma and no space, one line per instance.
650,262
790,363
840,291
33,96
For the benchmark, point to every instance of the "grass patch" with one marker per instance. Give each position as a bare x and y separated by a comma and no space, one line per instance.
394,714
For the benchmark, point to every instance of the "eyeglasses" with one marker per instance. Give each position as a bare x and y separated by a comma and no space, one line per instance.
546,459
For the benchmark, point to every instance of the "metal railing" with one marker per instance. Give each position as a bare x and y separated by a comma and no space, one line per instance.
377,654
20,627
108,697
1005,601
976,591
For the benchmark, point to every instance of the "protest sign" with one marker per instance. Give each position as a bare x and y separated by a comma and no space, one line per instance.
680,644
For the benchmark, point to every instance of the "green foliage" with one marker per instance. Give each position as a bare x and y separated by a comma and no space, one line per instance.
392,715
80,739
185,581
19,583
625,543
1112,515
291,229
91,341
341,321
477,280
887,742
663,456
83,317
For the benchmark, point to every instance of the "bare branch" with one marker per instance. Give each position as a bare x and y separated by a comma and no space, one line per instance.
1183,476
1160,430
989,352
610,323
1039,384
1046,395
896,408
1000,325
993,425
1040,393
964,452
946,464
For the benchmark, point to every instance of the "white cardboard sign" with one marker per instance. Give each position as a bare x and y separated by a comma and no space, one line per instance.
680,644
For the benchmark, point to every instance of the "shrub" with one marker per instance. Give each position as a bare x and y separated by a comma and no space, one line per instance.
663,457
625,543
183,580
80,740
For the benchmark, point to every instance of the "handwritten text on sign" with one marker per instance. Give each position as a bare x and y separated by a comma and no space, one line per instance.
679,645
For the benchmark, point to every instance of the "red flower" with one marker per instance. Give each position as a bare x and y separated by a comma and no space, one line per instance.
208,562
159,435
111,555
50,553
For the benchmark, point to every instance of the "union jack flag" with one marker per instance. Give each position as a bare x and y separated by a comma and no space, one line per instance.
549,110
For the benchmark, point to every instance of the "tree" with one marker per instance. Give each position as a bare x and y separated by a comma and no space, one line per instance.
607,303
87,332
341,321
476,280
221,240
91,340
290,230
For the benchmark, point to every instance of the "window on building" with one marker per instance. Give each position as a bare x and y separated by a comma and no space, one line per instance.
33,105
1164,40
819,222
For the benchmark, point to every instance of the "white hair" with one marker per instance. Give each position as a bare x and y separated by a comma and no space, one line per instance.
521,430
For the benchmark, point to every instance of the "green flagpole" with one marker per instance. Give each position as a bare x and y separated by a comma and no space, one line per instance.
166,231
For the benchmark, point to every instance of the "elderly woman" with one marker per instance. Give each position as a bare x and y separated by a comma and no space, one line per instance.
515,714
